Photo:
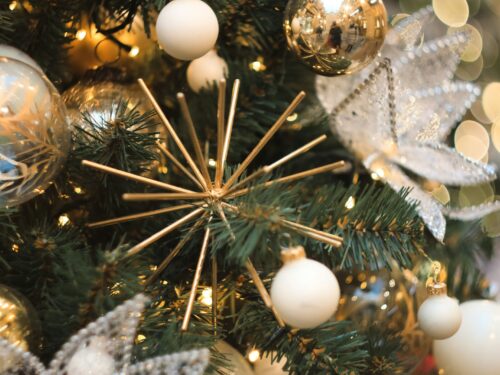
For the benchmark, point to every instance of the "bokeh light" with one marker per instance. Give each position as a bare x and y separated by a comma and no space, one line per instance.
491,101
495,134
453,13
475,195
472,140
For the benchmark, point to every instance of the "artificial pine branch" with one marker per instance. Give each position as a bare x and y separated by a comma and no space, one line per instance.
464,249
332,348
379,228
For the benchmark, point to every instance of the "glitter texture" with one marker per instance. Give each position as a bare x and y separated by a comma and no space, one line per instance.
117,330
400,114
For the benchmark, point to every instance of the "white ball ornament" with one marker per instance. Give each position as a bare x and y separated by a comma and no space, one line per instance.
187,29
93,359
17,54
439,316
202,72
305,293
475,348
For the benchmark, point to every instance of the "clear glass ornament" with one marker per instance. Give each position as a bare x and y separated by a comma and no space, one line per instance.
335,37
389,297
35,136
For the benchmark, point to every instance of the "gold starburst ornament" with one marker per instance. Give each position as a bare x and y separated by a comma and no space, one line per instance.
215,195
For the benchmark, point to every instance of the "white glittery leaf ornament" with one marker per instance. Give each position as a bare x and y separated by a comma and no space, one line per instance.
109,341
397,115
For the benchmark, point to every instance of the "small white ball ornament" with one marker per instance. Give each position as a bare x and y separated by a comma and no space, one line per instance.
475,348
202,72
92,359
187,29
439,316
305,293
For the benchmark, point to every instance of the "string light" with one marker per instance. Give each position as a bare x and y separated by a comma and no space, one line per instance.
351,202
81,34
206,297
63,220
134,51
253,355
140,338
13,5
258,65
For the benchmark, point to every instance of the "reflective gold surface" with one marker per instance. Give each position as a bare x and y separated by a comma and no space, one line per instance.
18,321
335,37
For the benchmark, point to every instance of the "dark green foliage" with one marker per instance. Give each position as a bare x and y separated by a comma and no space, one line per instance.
332,348
465,247
381,226
73,274
386,351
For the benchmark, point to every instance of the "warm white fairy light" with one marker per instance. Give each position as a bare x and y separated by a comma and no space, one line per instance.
81,34
63,220
206,297
134,51
253,355
351,202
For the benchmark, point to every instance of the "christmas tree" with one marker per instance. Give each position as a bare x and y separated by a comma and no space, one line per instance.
248,187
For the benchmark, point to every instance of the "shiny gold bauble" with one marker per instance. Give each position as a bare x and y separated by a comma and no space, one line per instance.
237,364
100,102
100,97
19,323
390,299
335,37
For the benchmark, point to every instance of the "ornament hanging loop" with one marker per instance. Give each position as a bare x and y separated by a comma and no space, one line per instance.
285,241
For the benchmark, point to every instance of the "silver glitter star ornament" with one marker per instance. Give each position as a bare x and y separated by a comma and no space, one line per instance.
401,112
104,347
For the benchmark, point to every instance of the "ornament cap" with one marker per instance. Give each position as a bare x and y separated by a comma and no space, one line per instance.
437,289
290,254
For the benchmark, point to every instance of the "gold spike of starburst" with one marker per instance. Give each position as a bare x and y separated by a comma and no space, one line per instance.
215,196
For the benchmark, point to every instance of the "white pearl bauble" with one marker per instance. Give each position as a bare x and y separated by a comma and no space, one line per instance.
202,72
187,29
439,317
305,293
475,348
16,54
91,360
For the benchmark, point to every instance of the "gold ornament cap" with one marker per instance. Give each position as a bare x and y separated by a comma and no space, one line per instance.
437,289
291,254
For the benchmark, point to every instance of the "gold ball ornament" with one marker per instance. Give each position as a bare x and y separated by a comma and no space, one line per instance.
335,37
238,364
19,324
99,95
